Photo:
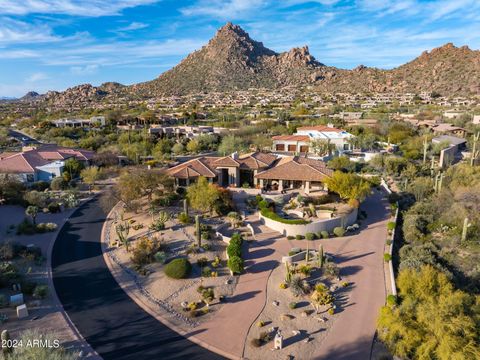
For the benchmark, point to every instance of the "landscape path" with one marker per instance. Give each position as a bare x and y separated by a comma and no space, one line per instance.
109,320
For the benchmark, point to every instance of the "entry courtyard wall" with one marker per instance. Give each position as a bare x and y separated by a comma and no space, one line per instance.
313,227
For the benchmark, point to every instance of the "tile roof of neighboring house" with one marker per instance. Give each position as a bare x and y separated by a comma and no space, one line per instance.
291,137
7,154
452,140
446,127
193,168
27,161
296,168
323,128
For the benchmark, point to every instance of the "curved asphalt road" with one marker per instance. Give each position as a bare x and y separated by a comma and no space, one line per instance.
108,319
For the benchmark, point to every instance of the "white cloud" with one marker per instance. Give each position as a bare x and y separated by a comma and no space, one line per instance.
15,32
35,77
133,26
84,70
229,10
87,8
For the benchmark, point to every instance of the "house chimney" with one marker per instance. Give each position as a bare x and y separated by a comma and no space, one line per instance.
235,155
330,125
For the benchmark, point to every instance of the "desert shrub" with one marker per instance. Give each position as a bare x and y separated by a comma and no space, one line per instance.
7,251
292,305
305,269
40,291
179,268
8,274
339,231
160,257
183,218
390,225
207,271
235,264
144,251
324,234
208,295
58,183
387,257
50,226
331,311
28,287
296,286
299,237
290,237
391,300
331,269
53,207
40,186
310,236
26,228
283,285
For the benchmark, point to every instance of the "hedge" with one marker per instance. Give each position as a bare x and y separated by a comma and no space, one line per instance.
235,264
178,268
274,216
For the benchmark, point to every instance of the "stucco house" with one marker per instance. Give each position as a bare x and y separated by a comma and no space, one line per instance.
42,163
299,143
258,169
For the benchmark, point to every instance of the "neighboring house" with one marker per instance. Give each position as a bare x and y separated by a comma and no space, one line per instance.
260,170
42,163
184,131
453,152
300,141
93,121
448,129
476,119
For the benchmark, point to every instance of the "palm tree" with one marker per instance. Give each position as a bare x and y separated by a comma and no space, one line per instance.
32,211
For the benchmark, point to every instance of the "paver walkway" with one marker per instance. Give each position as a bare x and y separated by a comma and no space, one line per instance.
248,300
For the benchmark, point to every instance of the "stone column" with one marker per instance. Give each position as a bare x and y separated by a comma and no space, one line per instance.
307,187
255,180
261,183
280,185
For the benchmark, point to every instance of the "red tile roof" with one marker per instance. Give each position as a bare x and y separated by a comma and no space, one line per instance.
297,168
291,138
323,128
27,161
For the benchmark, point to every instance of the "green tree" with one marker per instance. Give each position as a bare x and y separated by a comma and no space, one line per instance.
202,195
90,175
193,146
128,189
230,144
73,167
432,321
342,163
348,186
178,149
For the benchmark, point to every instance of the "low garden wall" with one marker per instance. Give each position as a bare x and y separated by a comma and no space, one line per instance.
313,227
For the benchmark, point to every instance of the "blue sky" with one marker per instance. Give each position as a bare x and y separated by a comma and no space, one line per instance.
55,44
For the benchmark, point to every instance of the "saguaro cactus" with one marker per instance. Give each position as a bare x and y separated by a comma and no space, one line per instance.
185,206
307,253
320,256
288,273
197,230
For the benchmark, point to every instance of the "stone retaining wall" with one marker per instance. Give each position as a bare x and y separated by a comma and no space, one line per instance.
313,227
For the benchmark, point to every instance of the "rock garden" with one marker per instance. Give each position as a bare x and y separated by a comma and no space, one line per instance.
175,254
303,297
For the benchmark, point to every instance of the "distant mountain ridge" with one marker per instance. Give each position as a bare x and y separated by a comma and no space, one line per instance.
233,61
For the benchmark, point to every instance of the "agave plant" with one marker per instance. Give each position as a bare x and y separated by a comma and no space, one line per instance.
296,286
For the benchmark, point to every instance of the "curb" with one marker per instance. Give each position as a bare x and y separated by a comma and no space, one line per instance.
84,345
143,304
